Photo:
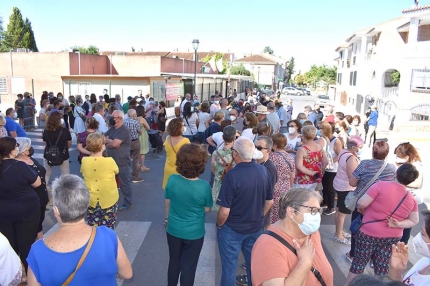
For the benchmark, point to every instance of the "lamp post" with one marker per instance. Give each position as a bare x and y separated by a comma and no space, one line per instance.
195,47
258,81
79,59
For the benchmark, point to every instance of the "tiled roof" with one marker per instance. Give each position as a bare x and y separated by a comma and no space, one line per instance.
256,59
416,9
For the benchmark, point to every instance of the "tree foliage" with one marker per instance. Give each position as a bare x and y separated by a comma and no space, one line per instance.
289,70
395,76
317,73
218,56
299,80
268,50
239,70
90,50
19,34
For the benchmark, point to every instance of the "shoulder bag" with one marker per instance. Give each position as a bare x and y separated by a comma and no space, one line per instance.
290,247
227,166
286,160
84,255
357,222
352,198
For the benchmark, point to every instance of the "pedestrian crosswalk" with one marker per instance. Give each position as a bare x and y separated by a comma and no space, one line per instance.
38,144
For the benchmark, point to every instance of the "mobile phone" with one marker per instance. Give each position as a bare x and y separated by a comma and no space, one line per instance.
316,176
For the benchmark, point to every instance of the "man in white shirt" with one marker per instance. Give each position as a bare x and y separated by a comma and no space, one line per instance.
273,117
98,115
147,101
215,106
236,122
187,99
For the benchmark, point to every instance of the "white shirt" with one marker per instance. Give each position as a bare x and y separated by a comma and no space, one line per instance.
219,141
416,279
102,123
9,261
247,133
190,127
273,119
214,108
203,116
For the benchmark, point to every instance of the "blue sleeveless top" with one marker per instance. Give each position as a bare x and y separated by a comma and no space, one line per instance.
99,268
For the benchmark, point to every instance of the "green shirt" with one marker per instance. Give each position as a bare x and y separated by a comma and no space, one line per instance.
125,107
188,199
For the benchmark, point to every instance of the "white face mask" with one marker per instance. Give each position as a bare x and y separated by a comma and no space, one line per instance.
420,246
291,130
311,223
402,160
185,130
258,155
232,117
216,102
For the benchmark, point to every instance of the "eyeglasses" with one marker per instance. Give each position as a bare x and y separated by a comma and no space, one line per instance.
292,126
259,148
314,210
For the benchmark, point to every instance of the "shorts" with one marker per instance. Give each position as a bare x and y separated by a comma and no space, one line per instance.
341,202
369,247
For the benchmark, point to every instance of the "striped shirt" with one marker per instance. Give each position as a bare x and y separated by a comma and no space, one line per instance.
367,169
134,127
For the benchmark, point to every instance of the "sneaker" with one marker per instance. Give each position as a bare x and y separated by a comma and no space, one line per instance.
137,180
329,211
124,207
343,241
242,279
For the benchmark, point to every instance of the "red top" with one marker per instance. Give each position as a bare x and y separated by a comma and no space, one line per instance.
312,160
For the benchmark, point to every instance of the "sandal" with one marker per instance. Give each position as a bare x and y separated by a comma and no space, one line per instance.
144,169
346,235
343,241
242,279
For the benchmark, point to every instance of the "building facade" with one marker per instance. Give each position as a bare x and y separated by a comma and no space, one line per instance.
390,64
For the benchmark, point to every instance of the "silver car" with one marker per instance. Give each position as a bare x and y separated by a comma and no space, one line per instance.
293,91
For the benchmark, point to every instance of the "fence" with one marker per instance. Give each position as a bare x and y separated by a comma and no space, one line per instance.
420,112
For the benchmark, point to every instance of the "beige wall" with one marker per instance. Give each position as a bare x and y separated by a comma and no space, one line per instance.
90,64
172,65
137,65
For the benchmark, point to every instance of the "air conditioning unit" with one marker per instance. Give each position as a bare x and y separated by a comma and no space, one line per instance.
22,50
120,53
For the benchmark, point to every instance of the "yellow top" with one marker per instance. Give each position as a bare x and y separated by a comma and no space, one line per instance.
170,166
99,175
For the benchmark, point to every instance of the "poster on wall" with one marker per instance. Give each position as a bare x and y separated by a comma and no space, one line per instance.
173,90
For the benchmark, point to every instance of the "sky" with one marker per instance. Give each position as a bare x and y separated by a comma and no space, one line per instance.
309,31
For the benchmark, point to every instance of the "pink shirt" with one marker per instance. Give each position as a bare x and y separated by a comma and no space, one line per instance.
341,181
386,196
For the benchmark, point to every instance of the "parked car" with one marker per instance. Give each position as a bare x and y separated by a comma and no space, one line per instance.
292,90
323,100
307,91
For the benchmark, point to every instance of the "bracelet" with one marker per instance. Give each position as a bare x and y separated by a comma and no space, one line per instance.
165,219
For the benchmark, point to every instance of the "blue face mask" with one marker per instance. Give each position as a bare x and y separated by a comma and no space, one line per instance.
319,133
302,121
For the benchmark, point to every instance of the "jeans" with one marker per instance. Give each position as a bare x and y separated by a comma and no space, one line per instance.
229,244
135,155
125,184
183,258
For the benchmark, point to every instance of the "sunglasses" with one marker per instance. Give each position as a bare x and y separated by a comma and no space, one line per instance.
259,148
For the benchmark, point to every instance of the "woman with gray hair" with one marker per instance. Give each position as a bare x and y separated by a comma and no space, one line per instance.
299,263
54,260
348,160
25,154
80,117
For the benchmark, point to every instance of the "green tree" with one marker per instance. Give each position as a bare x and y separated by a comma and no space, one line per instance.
299,79
239,70
395,76
90,50
28,40
268,50
289,70
317,73
15,31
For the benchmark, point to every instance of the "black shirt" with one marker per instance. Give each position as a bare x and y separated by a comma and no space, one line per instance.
40,190
50,137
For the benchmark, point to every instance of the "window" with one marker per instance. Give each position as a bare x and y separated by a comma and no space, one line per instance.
420,112
390,80
420,81
339,78
354,82
351,78
3,85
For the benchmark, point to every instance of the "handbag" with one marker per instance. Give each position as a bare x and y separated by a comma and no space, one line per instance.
290,247
352,198
84,255
357,222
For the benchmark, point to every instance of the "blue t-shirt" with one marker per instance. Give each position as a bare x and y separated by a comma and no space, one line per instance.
99,268
244,191
12,126
188,199
373,118
313,117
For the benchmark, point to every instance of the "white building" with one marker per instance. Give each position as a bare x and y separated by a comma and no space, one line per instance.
369,58
268,70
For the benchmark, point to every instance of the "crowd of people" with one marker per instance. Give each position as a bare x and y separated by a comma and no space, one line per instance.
272,177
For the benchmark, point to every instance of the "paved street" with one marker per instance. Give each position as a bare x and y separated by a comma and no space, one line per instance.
142,232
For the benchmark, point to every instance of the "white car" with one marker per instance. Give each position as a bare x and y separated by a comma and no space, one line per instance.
292,90
323,100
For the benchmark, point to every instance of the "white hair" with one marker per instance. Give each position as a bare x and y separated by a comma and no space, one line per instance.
245,148
118,113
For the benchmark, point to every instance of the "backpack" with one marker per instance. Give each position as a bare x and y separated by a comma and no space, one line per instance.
53,154
228,166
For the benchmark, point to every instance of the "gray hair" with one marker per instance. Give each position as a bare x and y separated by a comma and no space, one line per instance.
2,120
24,144
294,198
308,108
330,110
131,112
71,197
245,148
268,140
99,107
309,132
118,113
271,106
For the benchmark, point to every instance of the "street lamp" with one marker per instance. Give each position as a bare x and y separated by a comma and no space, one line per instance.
258,81
79,59
195,47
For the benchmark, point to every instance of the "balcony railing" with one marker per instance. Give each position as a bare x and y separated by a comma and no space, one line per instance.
390,92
